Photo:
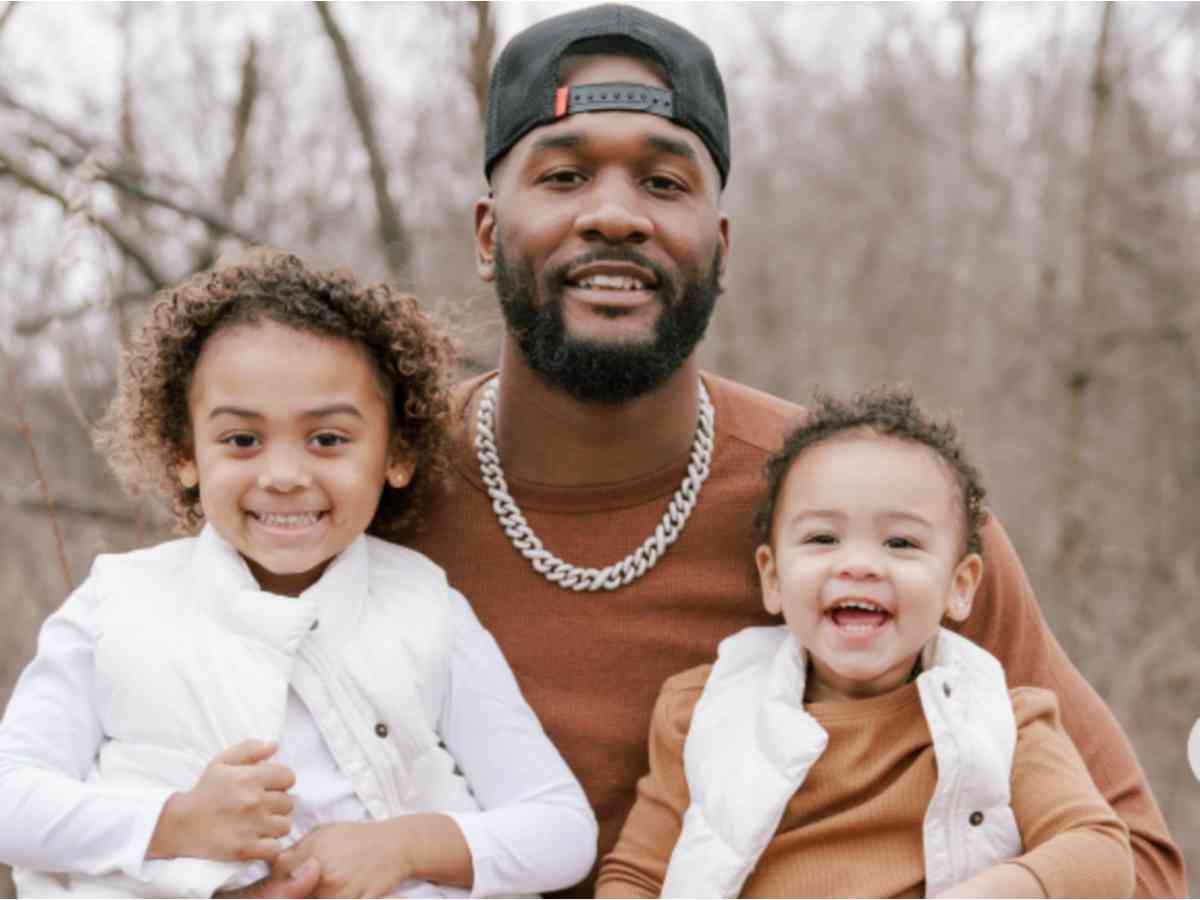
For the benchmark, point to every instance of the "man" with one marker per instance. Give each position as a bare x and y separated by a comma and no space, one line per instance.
604,236
607,151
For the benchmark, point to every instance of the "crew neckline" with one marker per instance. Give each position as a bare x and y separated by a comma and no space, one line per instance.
533,495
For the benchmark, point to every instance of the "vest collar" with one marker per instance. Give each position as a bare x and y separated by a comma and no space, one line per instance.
223,585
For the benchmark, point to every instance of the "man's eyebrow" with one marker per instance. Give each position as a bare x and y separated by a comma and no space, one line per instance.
564,141
571,140
673,146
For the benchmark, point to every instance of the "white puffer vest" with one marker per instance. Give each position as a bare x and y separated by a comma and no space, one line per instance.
751,745
192,657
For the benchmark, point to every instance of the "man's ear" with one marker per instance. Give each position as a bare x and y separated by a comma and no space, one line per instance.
768,576
485,237
967,575
725,231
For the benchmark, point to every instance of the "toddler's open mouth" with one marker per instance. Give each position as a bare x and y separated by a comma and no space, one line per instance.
858,616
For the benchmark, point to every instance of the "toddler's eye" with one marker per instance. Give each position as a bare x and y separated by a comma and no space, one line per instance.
900,543
820,539
241,441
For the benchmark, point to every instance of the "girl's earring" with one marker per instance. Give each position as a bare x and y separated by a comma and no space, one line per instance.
188,476
400,473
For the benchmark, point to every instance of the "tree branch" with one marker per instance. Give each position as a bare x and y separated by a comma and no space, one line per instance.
35,325
479,56
125,179
64,505
80,140
234,180
47,500
391,228
211,220
123,243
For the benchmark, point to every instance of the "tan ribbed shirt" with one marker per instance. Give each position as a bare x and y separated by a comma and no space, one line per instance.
854,827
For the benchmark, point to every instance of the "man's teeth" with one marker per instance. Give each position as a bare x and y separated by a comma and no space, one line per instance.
612,283
295,520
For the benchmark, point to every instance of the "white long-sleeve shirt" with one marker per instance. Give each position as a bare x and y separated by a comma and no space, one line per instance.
528,836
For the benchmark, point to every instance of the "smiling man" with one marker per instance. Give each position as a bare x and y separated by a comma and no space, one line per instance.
599,516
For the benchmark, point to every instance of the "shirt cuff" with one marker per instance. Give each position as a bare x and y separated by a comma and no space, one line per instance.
147,806
483,853
184,876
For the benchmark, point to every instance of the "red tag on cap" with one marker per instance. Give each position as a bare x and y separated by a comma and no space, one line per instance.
560,102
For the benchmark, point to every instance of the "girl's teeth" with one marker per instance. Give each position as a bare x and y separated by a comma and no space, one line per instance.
291,521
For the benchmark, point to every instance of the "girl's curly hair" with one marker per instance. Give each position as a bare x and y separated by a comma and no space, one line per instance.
883,411
146,433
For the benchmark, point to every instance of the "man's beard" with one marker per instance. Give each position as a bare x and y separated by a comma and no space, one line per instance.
607,372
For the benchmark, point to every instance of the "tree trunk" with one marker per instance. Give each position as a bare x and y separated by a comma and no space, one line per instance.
1081,368
396,248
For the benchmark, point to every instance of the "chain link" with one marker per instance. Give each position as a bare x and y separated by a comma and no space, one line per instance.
578,578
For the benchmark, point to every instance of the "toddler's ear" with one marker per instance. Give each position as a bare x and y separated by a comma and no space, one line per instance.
967,575
768,576
187,474
401,469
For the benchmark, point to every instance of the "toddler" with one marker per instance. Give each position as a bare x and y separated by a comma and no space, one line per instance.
284,686
862,749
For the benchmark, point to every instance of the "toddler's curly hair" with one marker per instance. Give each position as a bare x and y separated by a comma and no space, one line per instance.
147,435
885,410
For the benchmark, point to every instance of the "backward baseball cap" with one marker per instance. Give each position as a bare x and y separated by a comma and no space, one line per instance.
524,92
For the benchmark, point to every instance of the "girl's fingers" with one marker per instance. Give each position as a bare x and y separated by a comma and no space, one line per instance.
275,777
278,803
287,861
265,849
246,753
277,826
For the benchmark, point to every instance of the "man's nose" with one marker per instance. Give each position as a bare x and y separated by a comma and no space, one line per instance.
615,214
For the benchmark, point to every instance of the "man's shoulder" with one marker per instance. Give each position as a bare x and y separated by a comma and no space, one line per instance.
749,415
462,391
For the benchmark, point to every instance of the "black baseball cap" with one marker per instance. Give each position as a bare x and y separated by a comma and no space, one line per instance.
524,92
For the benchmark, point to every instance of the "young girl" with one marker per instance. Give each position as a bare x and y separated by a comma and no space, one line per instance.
281,679
861,749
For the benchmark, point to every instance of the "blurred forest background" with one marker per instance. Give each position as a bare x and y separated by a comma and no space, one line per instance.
998,204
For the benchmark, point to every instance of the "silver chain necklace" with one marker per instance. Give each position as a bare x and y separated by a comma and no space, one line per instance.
578,578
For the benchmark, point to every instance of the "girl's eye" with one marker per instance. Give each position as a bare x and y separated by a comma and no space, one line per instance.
820,539
900,543
241,441
327,440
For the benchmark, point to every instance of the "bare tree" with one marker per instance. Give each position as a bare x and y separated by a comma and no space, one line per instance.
392,234
1088,309
479,55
